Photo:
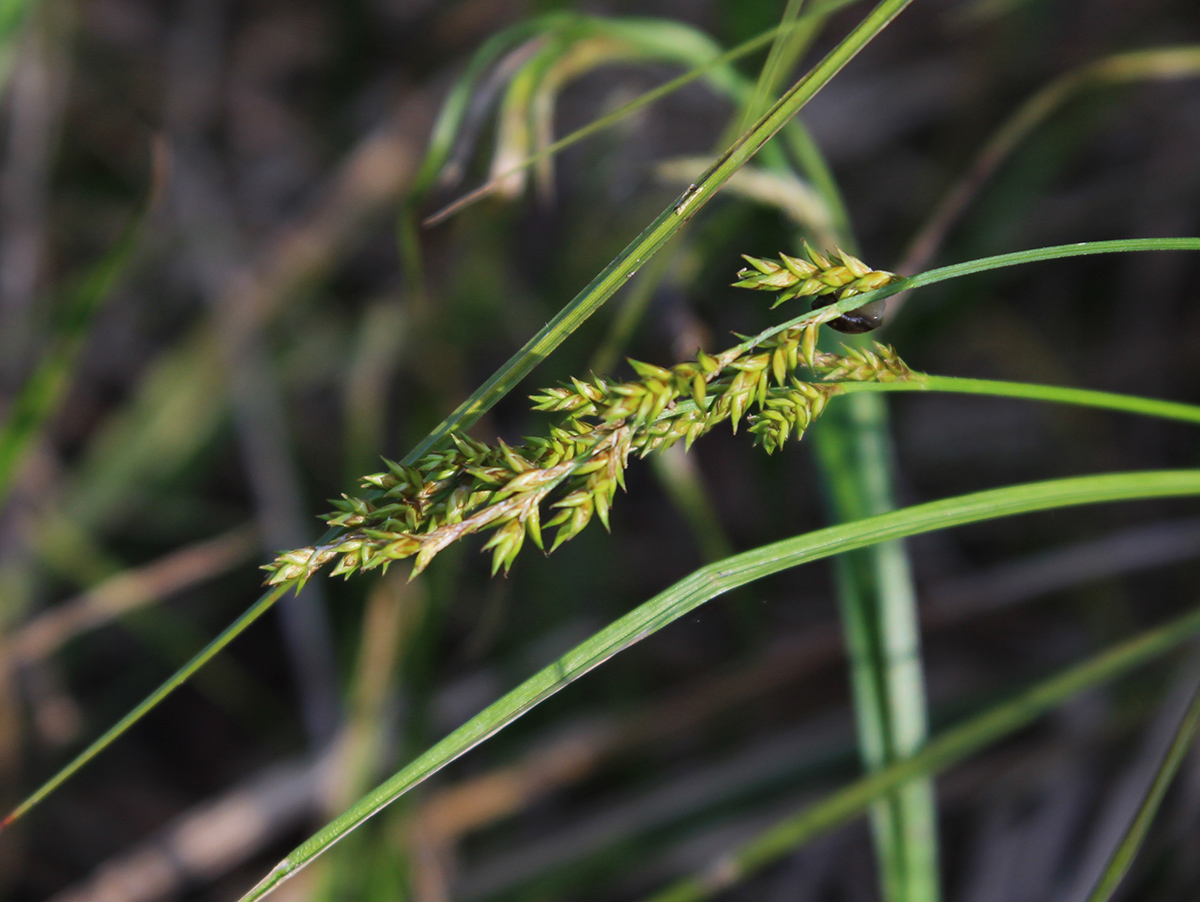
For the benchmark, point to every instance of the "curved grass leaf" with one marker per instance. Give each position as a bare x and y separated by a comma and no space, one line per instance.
970,267
705,61
713,580
950,747
1028,391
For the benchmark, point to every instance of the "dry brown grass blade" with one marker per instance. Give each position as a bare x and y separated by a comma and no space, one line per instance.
128,591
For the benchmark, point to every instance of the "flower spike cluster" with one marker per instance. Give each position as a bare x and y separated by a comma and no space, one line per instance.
820,274
570,475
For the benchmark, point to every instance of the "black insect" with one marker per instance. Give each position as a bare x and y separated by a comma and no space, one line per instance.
854,322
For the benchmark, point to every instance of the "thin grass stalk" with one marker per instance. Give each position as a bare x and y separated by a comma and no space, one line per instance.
805,25
181,676
949,748
716,579
972,267
877,601
1083,397
1119,863
789,43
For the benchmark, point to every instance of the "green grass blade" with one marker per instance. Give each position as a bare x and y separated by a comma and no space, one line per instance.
1084,397
456,106
971,267
717,68
13,15
39,397
877,601
603,123
713,580
661,230
789,43
1122,858
943,751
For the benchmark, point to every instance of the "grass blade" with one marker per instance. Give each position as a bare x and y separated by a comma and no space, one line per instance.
713,580
718,69
1122,858
945,750
877,601
1083,397
13,14
981,264
789,43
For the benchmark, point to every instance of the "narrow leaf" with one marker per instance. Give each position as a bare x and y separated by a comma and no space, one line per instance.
709,582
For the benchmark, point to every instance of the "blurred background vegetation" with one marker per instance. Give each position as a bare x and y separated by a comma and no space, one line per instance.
270,331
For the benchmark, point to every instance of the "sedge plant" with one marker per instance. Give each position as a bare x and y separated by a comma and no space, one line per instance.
772,385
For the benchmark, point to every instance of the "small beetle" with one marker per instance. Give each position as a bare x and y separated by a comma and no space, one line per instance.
854,322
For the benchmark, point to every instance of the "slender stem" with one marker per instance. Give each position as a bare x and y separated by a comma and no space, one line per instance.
971,267
203,657
1173,62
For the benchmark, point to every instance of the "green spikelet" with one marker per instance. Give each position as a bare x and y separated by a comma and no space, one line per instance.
837,273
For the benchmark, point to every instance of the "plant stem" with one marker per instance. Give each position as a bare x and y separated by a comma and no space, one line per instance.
877,601
177,679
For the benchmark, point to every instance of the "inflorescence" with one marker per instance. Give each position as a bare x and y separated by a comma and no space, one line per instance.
571,475
820,277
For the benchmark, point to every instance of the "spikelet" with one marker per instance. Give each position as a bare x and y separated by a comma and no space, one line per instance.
821,274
